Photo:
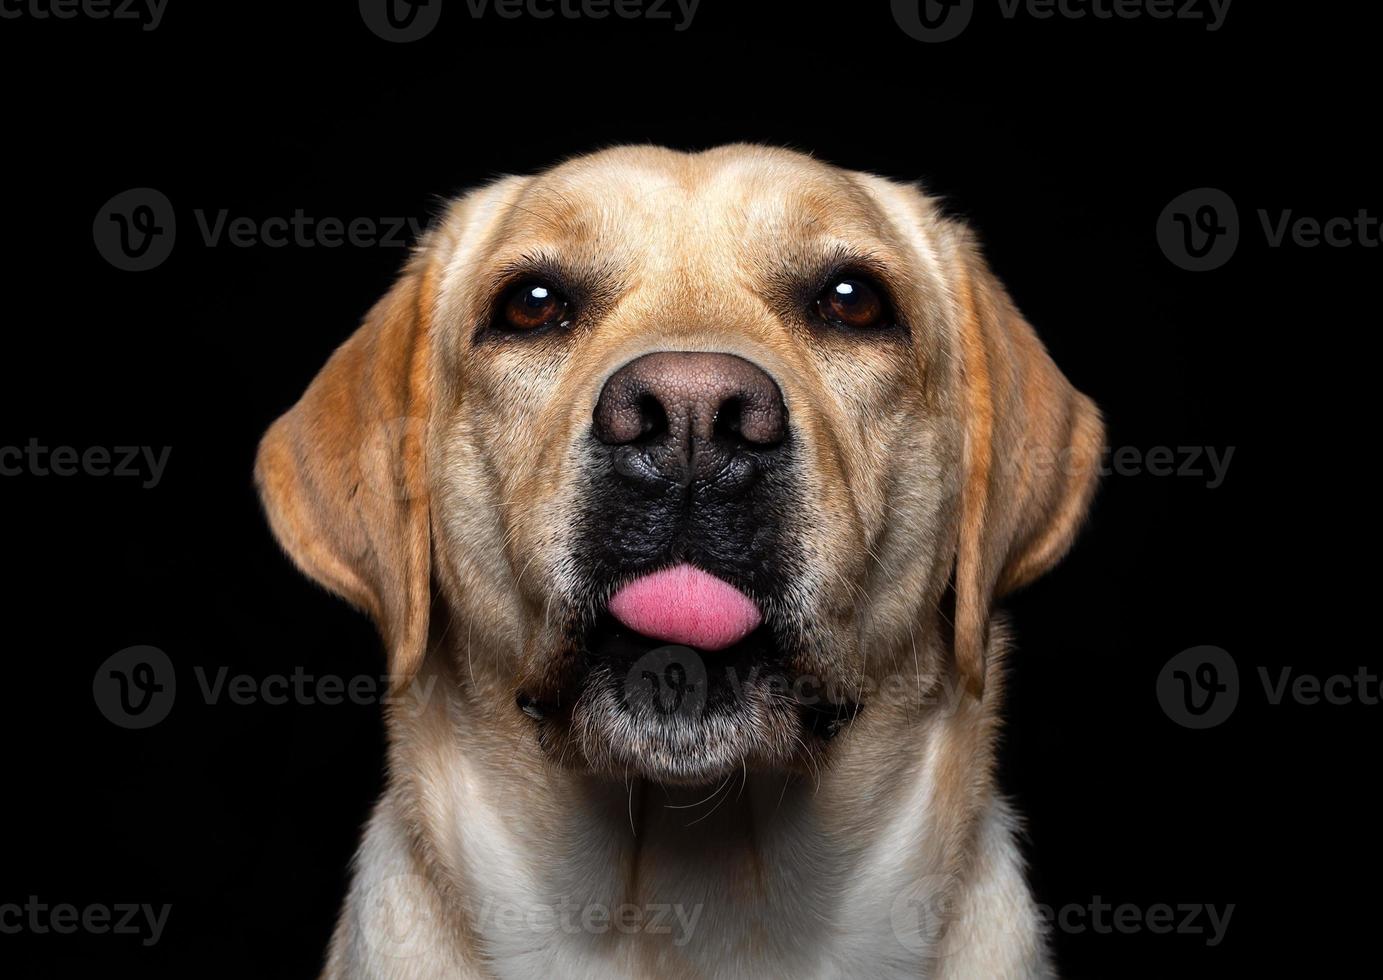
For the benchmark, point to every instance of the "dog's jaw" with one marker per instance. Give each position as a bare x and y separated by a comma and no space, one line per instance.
681,716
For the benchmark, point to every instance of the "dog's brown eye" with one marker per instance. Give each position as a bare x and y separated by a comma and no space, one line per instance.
533,305
852,302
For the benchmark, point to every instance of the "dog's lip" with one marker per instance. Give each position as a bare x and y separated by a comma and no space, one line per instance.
686,605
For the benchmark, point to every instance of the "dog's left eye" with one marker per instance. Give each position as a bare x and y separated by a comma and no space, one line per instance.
533,305
854,302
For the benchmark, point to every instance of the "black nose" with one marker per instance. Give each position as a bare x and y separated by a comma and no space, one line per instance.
681,417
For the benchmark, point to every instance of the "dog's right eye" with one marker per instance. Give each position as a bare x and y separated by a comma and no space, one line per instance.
855,302
533,305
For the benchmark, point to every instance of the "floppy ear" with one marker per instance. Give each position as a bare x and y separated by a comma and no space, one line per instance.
342,478
1031,454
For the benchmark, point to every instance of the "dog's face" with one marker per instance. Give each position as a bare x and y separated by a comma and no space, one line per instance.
691,447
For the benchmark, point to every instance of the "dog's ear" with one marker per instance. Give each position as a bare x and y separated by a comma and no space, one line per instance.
341,474
1031,455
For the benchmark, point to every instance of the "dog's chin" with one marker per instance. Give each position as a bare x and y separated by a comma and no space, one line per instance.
618,742
683,716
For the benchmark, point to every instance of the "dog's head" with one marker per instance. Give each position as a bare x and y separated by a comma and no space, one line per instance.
686,447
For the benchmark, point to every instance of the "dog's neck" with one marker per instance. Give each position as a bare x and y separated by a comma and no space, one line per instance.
544,871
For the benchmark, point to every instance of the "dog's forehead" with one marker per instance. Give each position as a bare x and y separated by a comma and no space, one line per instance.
650,200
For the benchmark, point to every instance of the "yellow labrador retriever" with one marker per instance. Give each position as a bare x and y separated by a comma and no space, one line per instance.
681,488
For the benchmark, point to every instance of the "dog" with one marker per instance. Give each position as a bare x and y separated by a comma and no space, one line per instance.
681,488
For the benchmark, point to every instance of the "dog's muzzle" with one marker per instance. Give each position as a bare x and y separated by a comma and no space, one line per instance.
687,548
690,462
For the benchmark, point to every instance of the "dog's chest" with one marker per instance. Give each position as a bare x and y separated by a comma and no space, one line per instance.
696,896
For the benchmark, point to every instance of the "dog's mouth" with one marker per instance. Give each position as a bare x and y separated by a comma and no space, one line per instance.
682,647
683,678
662,682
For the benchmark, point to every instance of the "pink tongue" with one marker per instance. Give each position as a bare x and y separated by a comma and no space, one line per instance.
685,605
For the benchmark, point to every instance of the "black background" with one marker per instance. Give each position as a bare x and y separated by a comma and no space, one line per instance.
1061,140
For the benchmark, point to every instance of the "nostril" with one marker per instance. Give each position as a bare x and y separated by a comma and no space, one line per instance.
755,418
653,420
729,421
